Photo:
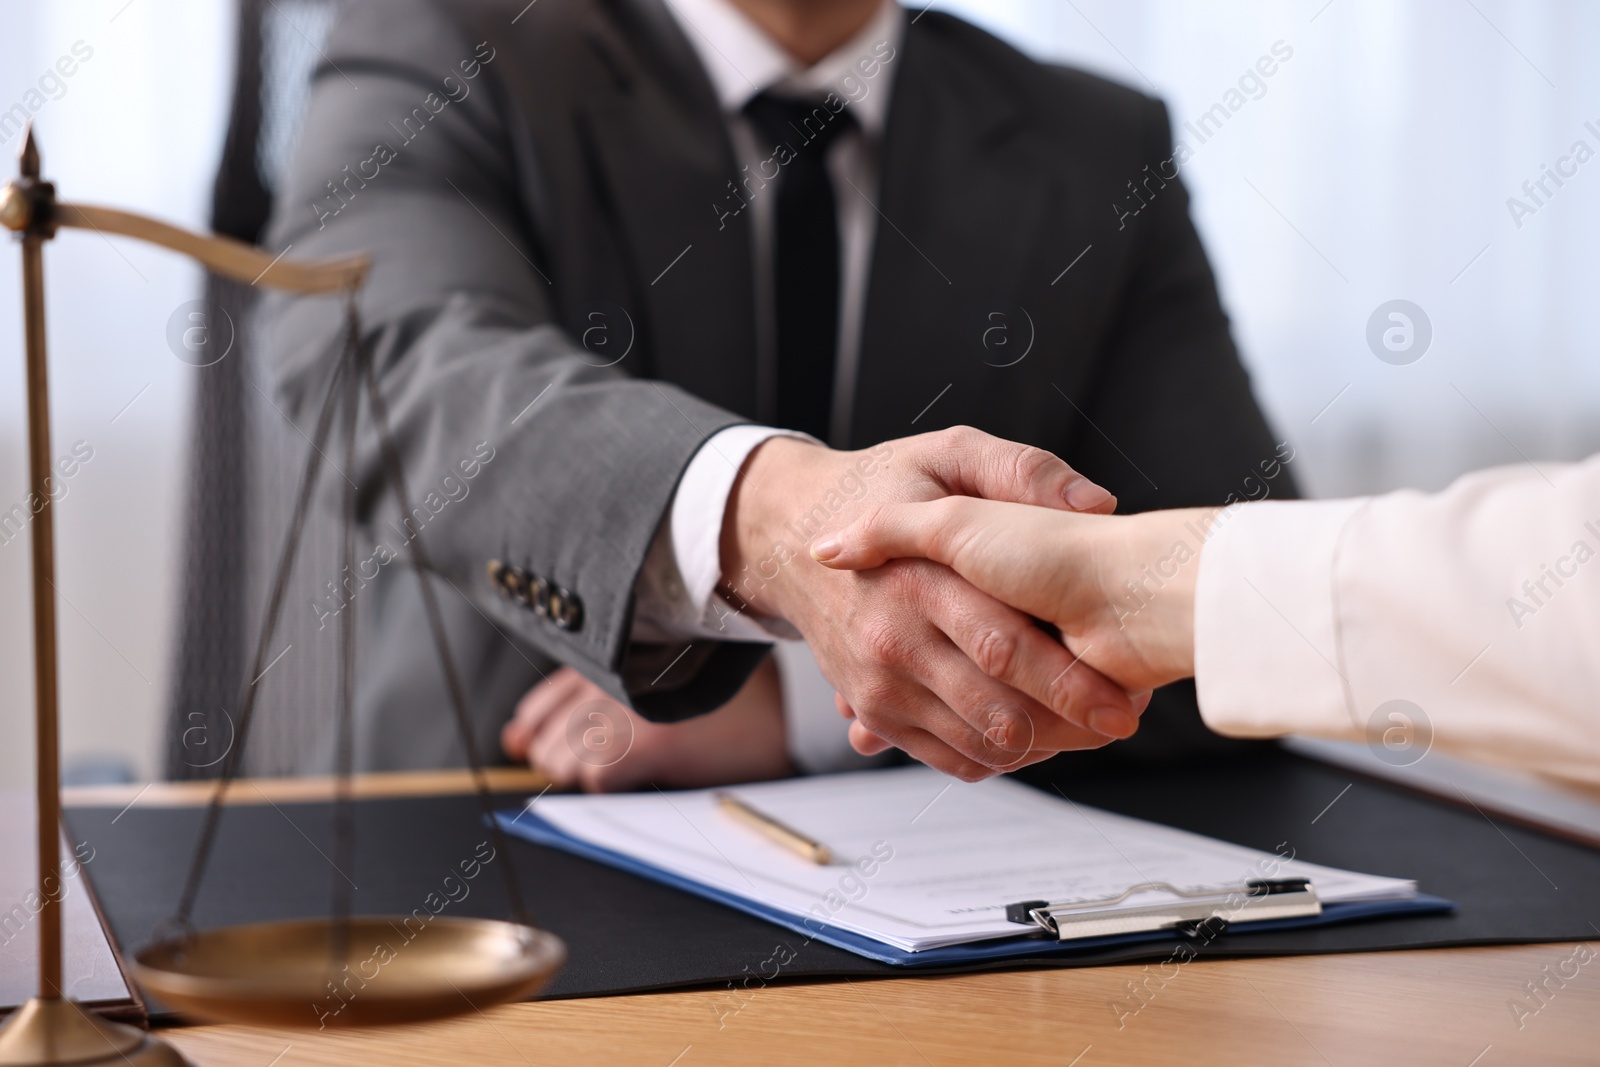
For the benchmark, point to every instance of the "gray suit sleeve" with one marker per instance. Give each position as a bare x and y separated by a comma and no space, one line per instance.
574,465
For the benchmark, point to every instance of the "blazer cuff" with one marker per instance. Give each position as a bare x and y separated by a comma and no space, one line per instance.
1266,629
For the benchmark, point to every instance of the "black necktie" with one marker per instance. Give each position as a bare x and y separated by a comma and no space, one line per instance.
797,133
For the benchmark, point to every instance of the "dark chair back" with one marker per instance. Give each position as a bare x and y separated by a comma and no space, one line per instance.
245,454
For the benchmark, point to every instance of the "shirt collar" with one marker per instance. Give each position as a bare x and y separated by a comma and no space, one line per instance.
742,60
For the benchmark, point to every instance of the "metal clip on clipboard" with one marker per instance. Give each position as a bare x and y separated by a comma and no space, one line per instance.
1214,910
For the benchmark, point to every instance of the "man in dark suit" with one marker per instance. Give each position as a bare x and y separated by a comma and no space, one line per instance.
626,249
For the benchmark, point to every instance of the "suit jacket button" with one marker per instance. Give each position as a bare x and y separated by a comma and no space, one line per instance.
497,575
516,581
539,598
566,609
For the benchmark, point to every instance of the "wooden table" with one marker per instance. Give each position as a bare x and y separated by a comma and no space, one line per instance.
1446,1006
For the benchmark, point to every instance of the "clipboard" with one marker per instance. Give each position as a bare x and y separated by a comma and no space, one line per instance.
1036,942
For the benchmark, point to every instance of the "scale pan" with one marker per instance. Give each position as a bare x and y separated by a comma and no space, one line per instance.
281,973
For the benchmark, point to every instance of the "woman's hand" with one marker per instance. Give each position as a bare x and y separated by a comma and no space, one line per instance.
569,728
1120,589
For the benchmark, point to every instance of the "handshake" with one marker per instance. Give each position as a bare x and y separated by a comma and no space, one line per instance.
971,600
976,606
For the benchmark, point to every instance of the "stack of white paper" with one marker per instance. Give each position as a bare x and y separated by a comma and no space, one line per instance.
924,861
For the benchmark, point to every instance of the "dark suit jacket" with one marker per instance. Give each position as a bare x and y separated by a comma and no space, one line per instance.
516,174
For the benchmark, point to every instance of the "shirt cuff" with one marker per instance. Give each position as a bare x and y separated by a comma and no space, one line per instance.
700,504
675,595
1266,634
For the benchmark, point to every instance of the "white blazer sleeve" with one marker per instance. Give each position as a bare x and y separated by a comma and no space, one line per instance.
1480,605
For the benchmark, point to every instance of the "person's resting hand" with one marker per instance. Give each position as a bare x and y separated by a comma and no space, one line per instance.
568,727
1120,588
926,662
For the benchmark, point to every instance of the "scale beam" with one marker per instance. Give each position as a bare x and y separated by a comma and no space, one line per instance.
29,207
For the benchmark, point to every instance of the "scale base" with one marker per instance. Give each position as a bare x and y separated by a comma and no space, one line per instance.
44,1033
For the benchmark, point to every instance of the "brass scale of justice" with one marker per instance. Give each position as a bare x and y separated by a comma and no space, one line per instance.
266,973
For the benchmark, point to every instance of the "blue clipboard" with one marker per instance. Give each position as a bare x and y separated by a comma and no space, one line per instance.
525,824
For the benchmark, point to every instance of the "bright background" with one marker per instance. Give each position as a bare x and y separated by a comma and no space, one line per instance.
139,126
1376,166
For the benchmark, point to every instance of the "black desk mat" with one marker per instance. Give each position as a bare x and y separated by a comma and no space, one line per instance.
626,934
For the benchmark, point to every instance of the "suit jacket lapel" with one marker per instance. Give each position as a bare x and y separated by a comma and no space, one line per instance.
664,161
957,244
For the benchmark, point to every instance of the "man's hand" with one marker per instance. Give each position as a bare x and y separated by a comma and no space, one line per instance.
928,663
571,730
1120,589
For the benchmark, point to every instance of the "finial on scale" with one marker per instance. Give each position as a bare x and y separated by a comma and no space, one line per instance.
27,199
29,157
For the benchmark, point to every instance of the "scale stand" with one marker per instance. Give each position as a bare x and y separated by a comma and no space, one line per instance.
268,973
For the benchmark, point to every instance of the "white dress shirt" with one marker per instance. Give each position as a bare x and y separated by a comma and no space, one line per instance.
675,596
1479,605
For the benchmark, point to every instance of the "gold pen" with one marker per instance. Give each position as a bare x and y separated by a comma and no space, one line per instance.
774,830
